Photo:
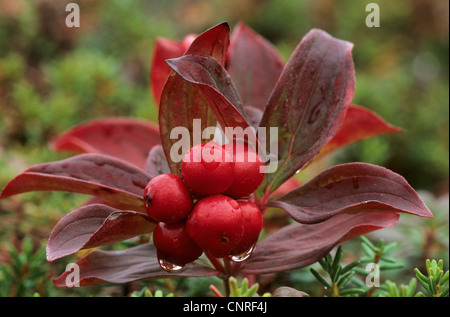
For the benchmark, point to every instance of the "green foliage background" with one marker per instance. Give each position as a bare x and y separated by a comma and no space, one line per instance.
53,77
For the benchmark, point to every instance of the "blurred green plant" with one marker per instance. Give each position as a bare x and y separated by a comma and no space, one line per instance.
436,281
25,275
338,276
390,289
145,292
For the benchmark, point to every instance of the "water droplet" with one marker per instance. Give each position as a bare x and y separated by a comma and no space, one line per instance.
244,256
168,266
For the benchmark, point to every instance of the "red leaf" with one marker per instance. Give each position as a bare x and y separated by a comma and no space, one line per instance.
359,124
164,49
289,185
92,174
95,225
309,102
254,65
156,162
352,187
253,116
124,138
112,203
126,266
213,43
217,86
181,101
299,245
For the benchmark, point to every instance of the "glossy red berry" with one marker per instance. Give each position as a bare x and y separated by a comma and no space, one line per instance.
253,223
216,224
174,245
167,198
247,170
207,169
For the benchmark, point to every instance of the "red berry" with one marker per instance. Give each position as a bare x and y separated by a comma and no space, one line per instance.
207,169
216,224
253,222
247,174
167,198
174,245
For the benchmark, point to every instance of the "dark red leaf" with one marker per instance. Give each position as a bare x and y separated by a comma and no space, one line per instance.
213,43
309,102
157,162
299,245
164,49
253,116
359,124
217,86
93,174
254,65
128,265
114,204
352,187
124,138
181,101
95,225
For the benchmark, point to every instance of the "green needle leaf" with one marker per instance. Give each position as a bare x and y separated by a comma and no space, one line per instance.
352,291
345,278
350,267
389,247
320,278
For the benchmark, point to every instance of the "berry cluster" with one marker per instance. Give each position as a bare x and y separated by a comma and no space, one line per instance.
222,222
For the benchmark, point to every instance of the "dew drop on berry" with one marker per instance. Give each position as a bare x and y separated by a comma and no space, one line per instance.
244,256
168,266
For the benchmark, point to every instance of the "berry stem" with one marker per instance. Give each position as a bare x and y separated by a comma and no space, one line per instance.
215,262
227,275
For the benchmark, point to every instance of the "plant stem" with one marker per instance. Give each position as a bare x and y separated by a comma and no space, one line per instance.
215,291
227,275
215,262
335,290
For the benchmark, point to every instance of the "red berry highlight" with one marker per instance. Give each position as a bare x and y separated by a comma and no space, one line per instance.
174,245
247,174
207,169
167,198
253,223
216,224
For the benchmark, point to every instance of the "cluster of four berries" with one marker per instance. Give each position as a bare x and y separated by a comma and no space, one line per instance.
222,221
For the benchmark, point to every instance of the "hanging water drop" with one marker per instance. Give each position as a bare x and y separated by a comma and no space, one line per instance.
168,266
244,256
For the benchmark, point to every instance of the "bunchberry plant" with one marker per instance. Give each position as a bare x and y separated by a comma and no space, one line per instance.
223,81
